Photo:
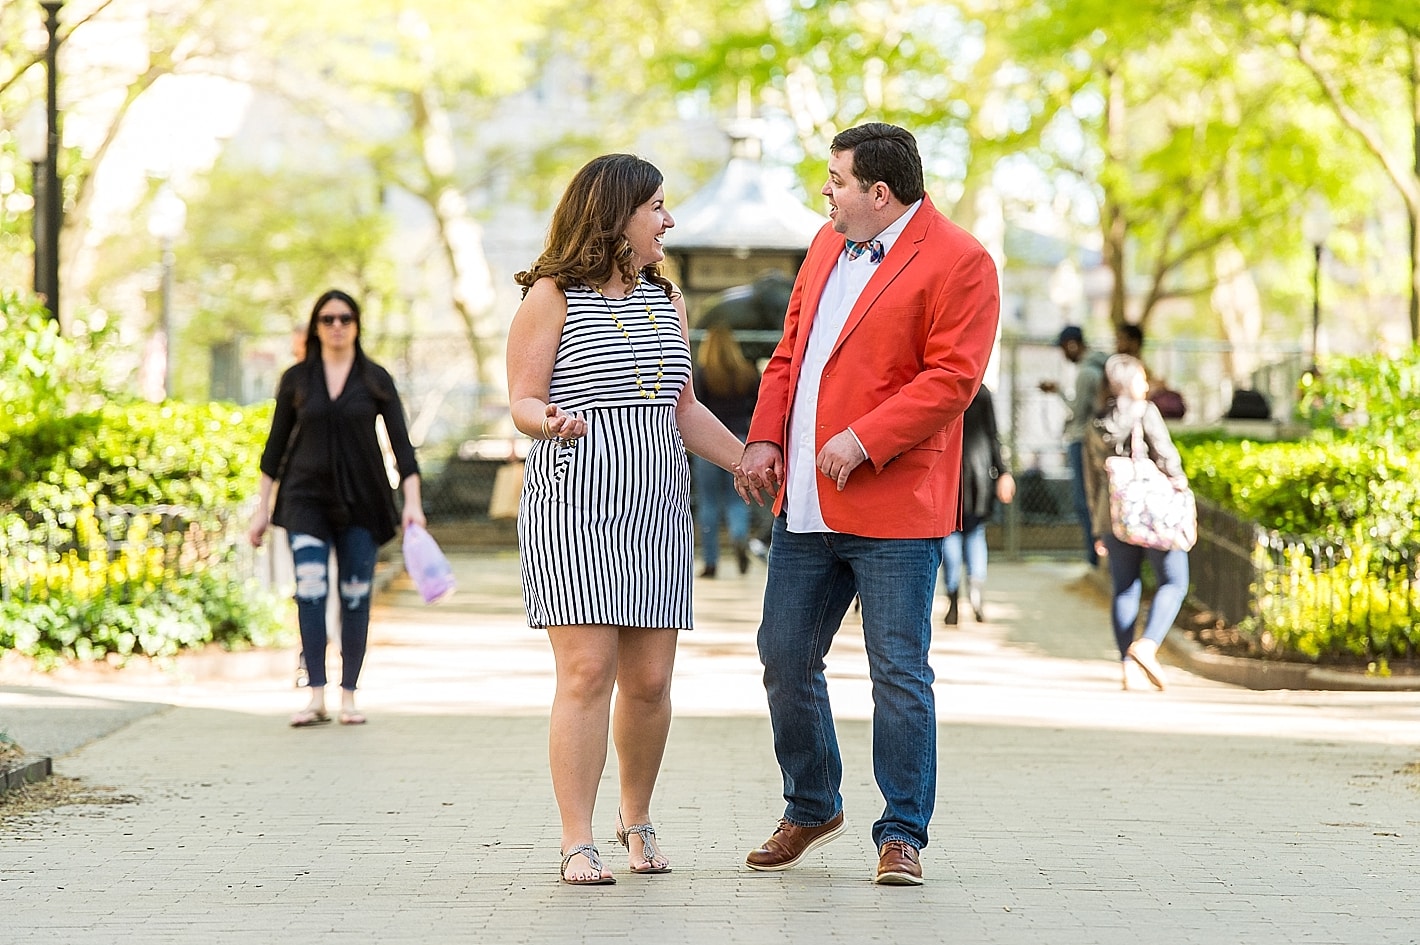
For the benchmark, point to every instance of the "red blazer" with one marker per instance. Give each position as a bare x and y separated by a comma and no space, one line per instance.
906,365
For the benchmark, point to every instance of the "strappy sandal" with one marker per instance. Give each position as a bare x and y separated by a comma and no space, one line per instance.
649,852
594,860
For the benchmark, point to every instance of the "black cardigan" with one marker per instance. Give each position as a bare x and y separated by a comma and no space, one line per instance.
326,456
981,461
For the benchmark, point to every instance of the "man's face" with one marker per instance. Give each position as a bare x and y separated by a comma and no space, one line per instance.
1073,351
851,208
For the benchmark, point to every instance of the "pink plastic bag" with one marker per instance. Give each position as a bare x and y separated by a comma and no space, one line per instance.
427,565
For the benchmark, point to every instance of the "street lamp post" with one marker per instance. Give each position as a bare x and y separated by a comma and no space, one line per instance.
166,218
1316,228
34,146
49,200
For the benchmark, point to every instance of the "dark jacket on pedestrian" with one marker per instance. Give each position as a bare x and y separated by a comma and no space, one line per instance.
326,455
981,462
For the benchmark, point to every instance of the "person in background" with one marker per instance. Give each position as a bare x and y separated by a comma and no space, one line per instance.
1110,433
1082,408
335,493
984,480
727,384
886,339
1129,339
599,375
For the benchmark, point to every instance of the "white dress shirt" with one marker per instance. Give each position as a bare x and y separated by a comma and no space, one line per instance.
840,294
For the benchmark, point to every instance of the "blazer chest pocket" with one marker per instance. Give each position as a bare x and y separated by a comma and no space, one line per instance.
901,311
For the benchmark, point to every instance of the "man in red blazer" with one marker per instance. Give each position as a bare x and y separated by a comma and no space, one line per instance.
858,430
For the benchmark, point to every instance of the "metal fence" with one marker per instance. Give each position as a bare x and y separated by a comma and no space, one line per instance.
1313,597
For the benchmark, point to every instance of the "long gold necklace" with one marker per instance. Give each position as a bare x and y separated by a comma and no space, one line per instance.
635,358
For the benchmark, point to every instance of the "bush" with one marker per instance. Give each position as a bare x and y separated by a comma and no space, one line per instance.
1338,579
117,530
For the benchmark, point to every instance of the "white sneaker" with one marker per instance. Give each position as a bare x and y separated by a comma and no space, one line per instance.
1132,676
1145,654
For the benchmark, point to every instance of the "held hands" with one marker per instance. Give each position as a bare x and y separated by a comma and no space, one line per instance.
558,424
413,515
839,457
761,468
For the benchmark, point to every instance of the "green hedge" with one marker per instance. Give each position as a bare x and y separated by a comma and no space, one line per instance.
1339,579
75,452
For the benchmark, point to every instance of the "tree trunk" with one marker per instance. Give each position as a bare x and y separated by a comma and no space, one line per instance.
1116,225
460,237
1412,208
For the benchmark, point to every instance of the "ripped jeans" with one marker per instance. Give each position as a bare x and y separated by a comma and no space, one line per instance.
355,552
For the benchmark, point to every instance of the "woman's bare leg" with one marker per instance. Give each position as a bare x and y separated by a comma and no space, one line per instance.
641,723
586,659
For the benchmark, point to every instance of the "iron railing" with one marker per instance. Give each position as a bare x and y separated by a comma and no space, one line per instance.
1316,597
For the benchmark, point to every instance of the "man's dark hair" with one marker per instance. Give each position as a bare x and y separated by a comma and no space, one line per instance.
886,153
1133,332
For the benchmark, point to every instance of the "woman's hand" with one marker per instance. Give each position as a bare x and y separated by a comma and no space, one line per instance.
1006,487
413,513
260,519
558,424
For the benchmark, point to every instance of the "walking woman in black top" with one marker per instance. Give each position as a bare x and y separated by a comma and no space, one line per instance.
335,492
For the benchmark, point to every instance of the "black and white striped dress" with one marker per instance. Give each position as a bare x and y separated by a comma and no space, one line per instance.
604,525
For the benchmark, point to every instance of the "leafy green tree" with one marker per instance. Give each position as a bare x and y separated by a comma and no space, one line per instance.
1365,58
1197,146
257,247
936,68
184,37
412,89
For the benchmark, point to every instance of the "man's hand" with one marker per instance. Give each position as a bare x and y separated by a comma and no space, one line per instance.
839,457
761,468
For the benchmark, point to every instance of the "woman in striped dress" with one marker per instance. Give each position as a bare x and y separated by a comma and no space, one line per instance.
599,376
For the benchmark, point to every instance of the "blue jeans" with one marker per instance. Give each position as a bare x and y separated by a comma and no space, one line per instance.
812,580
1126,563
972,546
355,552
716,498
1075,453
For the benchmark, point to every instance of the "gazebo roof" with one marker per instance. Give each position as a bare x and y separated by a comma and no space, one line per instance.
743,208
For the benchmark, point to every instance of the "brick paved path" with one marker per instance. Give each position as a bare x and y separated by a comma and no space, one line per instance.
1069,811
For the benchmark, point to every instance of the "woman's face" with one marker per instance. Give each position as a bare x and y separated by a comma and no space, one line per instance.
336,326
1139,385
646,229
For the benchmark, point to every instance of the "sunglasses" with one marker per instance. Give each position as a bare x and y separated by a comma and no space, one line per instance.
344,318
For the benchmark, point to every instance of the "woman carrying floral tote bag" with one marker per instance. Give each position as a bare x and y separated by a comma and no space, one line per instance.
1147,515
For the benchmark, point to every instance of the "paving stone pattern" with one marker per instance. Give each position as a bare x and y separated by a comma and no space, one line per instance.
1068,811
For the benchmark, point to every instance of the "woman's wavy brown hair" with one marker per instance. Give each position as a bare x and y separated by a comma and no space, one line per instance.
586,241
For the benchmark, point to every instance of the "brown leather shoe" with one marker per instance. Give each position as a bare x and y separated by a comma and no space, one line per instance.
790,843
898,865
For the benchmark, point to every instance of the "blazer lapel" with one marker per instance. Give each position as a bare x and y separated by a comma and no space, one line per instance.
820,268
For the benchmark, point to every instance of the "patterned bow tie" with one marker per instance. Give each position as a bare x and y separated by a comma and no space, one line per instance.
874,249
